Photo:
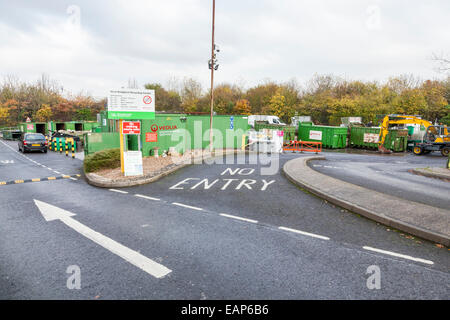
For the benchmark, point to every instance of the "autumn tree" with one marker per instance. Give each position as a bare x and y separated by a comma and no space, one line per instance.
242,106
260,96
44,114
4,116
191,93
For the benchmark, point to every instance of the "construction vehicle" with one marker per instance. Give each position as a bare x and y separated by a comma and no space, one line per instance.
436,137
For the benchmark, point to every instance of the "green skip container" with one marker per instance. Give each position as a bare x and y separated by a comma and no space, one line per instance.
289,131
397,140
364,137
331,137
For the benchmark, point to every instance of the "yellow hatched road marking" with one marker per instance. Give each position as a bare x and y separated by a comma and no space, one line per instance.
36,180
18,181
51,178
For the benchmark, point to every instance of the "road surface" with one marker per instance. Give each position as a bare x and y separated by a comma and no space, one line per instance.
208,231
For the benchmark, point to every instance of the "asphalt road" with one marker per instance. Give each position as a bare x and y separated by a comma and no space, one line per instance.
390,174
188,223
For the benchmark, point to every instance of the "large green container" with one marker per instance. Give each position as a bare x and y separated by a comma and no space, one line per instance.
331,137
11,133
289,131
57,125
396,140
34,127
90,125
74,125
364,137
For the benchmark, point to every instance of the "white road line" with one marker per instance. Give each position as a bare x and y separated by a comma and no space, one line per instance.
56,172
186,206
119,191
146,197
71,178
398,255
51,213
304,233
238,218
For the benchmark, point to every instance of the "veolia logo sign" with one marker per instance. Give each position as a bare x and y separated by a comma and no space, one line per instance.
155,127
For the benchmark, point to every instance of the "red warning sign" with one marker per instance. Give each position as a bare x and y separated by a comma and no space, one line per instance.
131,127
151,137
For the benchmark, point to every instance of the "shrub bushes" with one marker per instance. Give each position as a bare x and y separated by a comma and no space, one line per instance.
105,159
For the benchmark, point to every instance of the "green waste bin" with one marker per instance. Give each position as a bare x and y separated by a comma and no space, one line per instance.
331,137
364,137
396,140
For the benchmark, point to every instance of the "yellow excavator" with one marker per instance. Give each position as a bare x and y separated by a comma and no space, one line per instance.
436,137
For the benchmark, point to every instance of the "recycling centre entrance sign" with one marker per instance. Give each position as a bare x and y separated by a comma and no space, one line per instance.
131,104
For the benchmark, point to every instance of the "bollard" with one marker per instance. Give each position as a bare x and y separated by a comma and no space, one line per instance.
60,146
55,148
73,149
66,147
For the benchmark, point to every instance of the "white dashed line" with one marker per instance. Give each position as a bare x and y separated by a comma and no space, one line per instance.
238,218
119,191
186,206
146,197
304,233
398,255
56,172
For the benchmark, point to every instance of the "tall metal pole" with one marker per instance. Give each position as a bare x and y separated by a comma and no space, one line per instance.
212,81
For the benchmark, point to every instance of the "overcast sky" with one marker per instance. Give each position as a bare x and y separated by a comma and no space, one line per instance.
96,45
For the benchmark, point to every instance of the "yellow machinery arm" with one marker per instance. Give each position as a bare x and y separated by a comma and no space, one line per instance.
402,119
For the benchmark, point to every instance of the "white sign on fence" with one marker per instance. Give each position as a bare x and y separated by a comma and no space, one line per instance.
133,163
371,137
315,135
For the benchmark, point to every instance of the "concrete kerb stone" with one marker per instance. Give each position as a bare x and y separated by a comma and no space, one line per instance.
418,219
437,173
102,182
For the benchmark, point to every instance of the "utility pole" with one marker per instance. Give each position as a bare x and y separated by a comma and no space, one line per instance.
212,66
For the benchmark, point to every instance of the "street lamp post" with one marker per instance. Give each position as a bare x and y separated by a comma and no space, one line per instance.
213,66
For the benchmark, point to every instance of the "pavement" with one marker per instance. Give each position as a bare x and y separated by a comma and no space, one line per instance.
234,228
439,173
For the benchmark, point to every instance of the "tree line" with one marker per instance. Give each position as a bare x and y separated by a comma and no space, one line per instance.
43,101
326,98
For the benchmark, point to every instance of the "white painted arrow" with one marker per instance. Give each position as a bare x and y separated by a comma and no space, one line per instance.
51,213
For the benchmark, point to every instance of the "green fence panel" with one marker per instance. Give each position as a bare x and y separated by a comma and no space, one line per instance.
225,127
94,142
164,132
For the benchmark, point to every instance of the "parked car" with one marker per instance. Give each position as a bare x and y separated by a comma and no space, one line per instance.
32,142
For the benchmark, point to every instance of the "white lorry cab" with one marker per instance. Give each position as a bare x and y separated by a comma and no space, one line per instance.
268,119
